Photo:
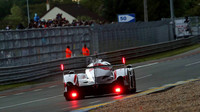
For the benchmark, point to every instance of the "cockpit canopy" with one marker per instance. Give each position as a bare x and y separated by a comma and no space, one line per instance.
98,62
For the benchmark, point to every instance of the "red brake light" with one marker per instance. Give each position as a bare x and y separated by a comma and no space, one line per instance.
117,89
74,94
62,67
123,60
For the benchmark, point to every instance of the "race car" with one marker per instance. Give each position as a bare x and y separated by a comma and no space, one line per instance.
100,77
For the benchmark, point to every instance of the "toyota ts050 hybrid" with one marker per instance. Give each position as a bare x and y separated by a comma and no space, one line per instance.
99,77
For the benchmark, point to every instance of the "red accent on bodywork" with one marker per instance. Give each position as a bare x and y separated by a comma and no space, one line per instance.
75,77
115,74
91,69
65,84
99,64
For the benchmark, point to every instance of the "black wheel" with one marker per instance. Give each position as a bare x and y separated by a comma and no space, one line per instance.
66,95
132,82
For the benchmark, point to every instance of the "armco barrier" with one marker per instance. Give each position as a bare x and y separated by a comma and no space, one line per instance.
115,56
10,75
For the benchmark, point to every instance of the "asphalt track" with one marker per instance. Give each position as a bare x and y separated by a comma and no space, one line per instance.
48,97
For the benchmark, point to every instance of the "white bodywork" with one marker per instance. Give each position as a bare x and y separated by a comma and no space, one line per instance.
96,75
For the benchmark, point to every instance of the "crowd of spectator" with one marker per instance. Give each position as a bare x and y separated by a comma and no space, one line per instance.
59,21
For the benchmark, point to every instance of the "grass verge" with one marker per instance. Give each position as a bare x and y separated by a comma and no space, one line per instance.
163,54
10,86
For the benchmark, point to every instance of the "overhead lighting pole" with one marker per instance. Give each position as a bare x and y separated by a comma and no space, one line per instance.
172,10
145,11
28,12
172,17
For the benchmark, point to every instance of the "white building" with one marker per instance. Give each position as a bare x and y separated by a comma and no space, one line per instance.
69,12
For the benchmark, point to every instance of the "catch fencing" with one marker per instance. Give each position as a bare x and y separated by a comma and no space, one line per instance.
125,35
24,47
195,25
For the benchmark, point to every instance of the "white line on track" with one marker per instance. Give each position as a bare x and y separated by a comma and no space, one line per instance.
166,85
37,90
192,63
29,102
180,82
2,97
139,91
65,108
145,65
152,87
19,94
94,102
53,86
144,77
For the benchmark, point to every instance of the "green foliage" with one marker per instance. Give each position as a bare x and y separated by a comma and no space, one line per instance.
114,7
84,18
15,17
163,54
40,9
193,8
157,9
5,8
55,2
95,6
108,9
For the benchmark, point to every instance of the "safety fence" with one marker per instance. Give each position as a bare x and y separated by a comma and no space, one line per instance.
23,47
125,35
29,46
10,75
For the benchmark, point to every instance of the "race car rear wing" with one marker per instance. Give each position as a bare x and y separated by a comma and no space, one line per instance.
81,69
69,71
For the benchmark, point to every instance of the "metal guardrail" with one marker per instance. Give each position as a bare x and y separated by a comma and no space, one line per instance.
10,75
131,53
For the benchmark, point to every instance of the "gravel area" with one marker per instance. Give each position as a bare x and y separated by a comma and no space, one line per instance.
182,98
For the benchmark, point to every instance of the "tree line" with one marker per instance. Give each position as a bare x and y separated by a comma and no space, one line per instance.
157,9
14,12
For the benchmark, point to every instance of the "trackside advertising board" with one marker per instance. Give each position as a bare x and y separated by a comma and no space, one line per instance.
182,28
126,18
